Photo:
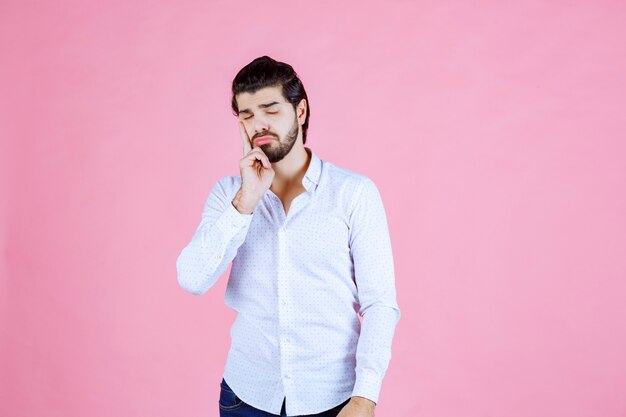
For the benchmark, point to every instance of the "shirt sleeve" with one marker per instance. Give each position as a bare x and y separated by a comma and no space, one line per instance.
215,242
370,246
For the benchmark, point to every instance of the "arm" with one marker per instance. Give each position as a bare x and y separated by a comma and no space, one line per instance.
214,244
225,220
370,246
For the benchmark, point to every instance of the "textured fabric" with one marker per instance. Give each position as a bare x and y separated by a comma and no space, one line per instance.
298,284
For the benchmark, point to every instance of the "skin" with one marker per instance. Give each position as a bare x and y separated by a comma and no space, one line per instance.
280,166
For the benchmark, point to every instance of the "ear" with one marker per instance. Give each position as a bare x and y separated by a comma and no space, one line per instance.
301,111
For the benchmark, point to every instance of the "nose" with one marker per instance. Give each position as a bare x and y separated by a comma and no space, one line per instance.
260,124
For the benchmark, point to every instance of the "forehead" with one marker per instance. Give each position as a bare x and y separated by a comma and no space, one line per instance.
261,96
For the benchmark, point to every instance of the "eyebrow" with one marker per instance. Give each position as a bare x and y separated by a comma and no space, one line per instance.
263,106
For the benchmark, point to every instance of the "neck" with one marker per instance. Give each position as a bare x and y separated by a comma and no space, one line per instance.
290,170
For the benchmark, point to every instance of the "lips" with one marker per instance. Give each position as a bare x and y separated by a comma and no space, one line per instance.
263,139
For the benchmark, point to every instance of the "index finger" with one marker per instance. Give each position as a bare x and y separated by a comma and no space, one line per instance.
247,145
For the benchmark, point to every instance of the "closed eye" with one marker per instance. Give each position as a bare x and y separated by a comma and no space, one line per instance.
268,112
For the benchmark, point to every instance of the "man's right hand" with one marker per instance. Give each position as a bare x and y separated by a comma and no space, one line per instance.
256,175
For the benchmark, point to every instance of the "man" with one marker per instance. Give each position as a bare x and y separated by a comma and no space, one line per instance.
310,248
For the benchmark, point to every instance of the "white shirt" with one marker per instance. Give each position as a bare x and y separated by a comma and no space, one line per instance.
297,283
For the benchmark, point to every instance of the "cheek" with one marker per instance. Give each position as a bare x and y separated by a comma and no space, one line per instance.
248,126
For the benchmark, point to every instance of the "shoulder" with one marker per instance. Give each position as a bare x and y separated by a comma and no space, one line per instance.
228,183
348,180
225,187
341,175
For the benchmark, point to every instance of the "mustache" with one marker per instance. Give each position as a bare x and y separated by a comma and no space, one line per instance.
264,134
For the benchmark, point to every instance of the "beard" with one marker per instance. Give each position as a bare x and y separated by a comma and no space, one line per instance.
277,151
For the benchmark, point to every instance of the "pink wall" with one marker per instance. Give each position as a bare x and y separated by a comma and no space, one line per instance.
495,132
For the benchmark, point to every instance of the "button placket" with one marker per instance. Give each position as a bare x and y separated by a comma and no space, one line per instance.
282,304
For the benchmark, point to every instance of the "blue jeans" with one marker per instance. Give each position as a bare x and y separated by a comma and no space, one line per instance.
232,406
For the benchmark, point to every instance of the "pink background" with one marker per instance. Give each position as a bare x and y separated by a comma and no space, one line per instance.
494,131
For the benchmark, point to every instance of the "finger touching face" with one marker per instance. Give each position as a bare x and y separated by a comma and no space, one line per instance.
265,112
247,144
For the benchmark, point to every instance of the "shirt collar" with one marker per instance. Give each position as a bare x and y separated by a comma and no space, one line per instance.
312,175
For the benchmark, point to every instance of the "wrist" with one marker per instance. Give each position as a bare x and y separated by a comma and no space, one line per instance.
240,205
363,402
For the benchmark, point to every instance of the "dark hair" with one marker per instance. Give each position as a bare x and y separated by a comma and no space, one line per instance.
267,72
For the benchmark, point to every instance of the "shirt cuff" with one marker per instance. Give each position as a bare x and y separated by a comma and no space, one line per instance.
367,385
232,221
